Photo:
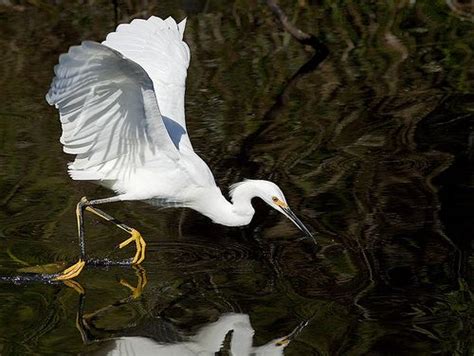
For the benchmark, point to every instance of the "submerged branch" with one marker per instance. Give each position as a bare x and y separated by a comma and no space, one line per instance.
299,35
269,118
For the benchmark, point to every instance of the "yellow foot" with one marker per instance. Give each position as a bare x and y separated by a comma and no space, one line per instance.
141,282
74,285
140,244
71,272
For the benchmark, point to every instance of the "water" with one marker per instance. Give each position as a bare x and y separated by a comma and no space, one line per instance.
373,149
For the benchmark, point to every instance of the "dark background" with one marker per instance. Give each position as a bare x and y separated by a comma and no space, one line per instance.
373,149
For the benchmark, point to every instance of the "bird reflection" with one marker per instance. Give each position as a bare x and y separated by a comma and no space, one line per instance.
85,321
233,330
209,340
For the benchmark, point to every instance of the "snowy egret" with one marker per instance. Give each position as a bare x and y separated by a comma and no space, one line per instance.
121,106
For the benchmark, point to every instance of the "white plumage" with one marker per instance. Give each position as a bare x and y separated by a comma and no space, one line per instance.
121,106
208,341
158,47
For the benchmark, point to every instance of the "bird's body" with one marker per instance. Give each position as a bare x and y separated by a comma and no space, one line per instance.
121,107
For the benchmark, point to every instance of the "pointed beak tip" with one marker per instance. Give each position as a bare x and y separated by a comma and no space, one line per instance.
311,237
289,213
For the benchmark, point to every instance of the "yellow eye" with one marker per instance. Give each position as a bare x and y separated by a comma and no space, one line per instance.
279,202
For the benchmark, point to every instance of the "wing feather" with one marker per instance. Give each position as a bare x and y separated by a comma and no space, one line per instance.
109,114
157,46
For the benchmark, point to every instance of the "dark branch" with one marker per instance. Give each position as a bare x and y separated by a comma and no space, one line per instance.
268,120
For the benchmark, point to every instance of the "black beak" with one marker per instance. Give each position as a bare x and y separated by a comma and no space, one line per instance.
287,211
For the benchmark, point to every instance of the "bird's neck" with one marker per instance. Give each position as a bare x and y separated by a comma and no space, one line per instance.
221,211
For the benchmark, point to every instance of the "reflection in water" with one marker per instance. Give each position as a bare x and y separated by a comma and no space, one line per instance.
232,330
207,341
373,147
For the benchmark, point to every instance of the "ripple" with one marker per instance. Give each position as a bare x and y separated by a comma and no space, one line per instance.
195,254
340,163
418,163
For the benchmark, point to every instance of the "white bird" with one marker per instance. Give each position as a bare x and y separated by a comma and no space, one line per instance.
121,106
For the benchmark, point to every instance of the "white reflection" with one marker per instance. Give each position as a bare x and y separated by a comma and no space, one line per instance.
207,341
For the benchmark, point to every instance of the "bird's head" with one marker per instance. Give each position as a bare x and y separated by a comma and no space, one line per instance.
271,194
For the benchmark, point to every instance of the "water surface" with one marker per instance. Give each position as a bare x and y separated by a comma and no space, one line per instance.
373,149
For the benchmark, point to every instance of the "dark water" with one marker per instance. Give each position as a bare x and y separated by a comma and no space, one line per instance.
373,149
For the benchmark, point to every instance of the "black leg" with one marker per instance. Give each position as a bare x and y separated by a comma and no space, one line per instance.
135,235
80,226
85,204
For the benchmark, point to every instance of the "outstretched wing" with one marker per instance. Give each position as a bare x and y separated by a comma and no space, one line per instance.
157,46
109,114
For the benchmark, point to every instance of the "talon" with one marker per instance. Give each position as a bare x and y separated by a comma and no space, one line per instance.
141,283
74,285
140,246
72,271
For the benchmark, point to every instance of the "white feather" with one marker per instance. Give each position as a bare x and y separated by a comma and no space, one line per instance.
108,112
157,46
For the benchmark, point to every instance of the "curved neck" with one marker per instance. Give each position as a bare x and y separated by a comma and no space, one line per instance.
221,211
